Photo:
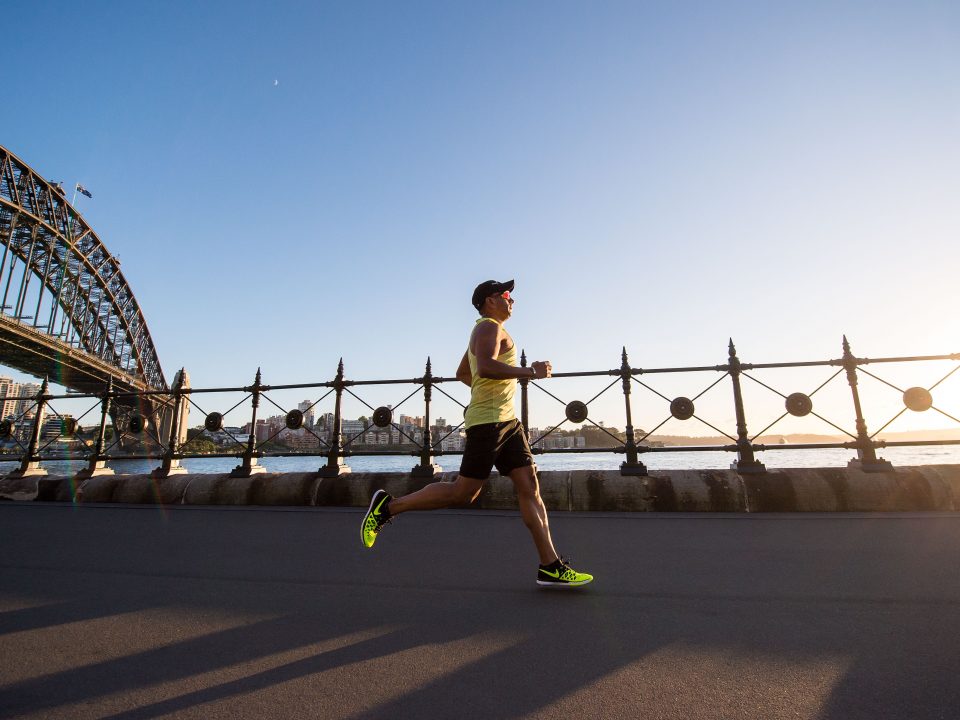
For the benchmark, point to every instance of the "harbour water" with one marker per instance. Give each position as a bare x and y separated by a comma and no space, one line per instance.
773,459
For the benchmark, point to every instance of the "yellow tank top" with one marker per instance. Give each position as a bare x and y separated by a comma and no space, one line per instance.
491,401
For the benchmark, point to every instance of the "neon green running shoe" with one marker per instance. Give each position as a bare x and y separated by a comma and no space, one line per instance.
377,516
560,574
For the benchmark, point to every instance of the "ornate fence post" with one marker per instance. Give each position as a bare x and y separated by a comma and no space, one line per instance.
866,459
335,466
250,465
427,468
746,462
97,464
30,463
632,466
524,403
171,458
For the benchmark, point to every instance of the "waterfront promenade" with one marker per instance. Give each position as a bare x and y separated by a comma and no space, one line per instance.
144,612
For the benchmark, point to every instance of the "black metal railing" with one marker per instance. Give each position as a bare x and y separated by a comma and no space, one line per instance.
37,433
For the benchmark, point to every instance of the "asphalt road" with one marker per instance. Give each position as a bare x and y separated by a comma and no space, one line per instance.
136,612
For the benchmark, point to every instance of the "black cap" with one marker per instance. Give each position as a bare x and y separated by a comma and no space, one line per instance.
488,288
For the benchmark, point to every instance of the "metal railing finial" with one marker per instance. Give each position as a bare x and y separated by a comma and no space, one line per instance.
746,462
426,468
30,463
335,465
866,459
524,400
632,466
249,463
97,465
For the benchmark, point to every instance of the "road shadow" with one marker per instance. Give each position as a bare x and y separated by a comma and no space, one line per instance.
563,641
863,616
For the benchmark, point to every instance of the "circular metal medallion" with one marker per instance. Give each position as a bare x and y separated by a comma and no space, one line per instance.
6,428
799,404
68,426
576,411
135,424
682,408
294,419
213,422
382,416
918,399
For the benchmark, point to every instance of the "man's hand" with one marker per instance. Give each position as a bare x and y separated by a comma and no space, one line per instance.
541,369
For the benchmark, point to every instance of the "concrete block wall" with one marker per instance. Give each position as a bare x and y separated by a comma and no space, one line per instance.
920,488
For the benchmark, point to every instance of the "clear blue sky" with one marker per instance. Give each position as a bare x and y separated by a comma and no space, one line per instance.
288,183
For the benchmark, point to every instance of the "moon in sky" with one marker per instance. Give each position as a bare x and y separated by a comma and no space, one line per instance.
276,82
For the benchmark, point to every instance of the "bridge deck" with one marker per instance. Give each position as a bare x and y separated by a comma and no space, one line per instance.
41,355
133,612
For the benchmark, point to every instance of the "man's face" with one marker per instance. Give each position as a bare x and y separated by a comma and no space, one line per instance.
500,304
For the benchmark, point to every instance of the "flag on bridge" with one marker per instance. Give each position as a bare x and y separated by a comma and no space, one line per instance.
83,191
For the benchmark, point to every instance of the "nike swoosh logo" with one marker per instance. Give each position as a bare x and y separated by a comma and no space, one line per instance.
376,510
550,574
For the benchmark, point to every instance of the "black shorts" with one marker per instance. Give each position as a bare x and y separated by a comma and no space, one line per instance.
503,444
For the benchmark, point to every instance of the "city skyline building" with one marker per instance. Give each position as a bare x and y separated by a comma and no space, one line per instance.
7,406
306,407
17,399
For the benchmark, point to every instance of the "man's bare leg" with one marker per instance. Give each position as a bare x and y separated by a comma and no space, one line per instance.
533,511
438,495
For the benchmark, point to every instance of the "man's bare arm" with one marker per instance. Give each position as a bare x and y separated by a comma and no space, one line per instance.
486,347
463,372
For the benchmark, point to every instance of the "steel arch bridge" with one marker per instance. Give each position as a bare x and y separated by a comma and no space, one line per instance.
67,312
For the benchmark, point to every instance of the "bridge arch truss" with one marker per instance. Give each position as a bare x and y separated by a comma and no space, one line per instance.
58,280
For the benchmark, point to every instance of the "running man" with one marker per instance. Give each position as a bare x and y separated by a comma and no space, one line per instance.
495,437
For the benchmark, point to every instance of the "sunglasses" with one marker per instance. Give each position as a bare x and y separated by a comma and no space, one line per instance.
505,294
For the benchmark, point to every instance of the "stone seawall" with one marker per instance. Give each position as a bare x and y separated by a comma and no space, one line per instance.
925,487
